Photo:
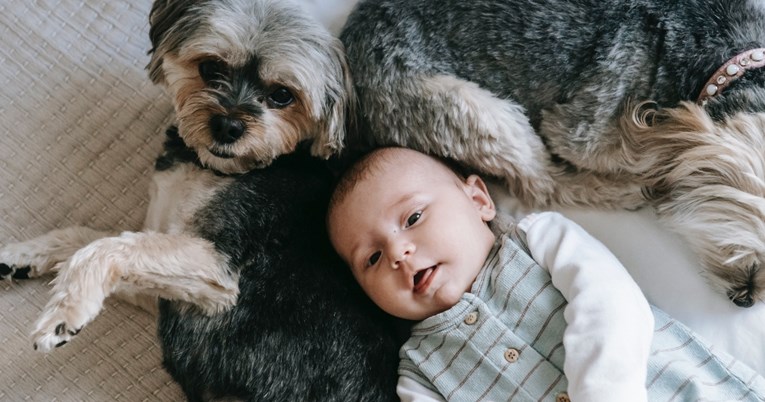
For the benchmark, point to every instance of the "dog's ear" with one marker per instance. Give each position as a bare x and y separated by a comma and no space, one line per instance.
339,111
163,18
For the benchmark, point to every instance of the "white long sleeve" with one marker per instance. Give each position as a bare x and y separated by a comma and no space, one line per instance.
609,322
409,390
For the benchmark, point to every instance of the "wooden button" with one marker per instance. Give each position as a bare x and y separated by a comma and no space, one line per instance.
471,318
512,354
562,397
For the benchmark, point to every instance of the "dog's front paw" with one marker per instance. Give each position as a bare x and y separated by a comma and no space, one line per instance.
19,261
13,271
38,256
23,261
58,324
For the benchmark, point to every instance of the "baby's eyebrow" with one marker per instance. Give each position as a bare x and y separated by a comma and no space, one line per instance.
353,255
406,199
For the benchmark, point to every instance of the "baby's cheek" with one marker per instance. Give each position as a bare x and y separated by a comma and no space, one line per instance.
386,298
447,297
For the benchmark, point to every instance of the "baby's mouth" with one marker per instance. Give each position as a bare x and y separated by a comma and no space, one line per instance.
423,278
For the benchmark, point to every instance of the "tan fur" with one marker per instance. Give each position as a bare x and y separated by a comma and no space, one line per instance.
302,57
173,266
275,133
707,180
169,258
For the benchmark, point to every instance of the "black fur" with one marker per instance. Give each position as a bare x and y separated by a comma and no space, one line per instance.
302,330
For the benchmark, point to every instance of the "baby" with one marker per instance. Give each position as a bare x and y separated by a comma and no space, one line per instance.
538,311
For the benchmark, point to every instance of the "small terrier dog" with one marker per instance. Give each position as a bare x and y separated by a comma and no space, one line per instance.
550,96
253,302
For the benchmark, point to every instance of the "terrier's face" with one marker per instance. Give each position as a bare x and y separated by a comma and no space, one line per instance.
250,79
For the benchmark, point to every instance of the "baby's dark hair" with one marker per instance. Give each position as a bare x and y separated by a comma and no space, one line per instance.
369,163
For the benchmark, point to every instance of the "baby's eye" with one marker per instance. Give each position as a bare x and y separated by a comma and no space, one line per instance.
413,218
374,258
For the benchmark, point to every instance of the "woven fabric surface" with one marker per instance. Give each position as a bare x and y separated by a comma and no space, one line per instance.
80,126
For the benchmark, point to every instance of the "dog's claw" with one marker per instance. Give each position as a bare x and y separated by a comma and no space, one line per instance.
47,340
56,327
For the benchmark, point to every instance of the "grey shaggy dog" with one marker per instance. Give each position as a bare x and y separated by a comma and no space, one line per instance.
550,96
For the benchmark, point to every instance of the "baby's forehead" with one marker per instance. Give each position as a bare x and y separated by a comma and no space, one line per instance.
387,169
412,163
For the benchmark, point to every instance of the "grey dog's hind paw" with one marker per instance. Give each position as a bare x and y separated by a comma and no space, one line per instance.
744,289
742,297
12,271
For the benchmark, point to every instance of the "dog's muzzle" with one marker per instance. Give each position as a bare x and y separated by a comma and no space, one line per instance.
225,129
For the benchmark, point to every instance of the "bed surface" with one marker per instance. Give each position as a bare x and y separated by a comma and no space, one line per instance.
80,127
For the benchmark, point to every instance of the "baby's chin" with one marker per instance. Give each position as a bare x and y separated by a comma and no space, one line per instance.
423,312
443,300
447,297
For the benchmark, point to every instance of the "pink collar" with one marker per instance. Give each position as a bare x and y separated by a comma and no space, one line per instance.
731,71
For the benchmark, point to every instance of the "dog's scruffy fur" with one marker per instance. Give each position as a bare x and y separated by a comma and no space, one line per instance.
250,79
254,303
548,96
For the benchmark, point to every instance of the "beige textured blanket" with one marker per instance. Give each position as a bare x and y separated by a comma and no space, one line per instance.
80,125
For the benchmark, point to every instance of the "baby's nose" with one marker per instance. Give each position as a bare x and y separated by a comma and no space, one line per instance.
402,255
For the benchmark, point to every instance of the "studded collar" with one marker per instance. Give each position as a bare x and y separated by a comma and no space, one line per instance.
731,71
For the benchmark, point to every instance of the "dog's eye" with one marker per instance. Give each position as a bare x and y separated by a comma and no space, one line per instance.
211,70
280,98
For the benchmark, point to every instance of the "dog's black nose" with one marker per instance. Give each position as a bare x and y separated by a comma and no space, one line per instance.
226,129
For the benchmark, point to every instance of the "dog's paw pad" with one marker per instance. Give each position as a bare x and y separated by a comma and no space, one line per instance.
52,332
12,271
742,298
45,341
22,273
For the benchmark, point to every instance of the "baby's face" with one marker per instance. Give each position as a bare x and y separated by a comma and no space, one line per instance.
414,235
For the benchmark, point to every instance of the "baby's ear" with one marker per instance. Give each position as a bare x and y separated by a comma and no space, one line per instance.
478,192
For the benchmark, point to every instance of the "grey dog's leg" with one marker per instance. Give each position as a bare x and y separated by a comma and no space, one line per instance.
176,267
447,116
38,256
